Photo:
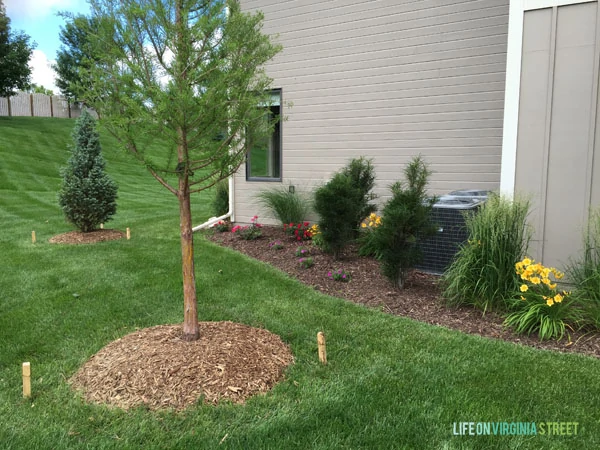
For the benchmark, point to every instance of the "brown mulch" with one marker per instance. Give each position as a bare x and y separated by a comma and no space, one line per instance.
78,237
420,299
156,368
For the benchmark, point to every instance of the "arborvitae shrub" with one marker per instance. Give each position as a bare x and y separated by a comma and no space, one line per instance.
87,195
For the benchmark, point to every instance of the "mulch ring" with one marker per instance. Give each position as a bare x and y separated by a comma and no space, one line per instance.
156,368
91,237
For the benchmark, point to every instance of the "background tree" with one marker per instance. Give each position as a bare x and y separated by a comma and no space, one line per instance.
188,74
35,89
75,54
15,52
87,195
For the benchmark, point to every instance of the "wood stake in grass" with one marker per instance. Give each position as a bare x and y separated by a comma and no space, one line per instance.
128,234
322,349
26,380
33,239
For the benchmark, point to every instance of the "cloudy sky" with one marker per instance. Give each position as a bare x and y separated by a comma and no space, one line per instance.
38,18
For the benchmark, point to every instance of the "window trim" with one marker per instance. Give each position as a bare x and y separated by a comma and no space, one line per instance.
278,179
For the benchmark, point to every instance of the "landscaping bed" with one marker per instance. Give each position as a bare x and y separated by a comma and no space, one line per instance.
420,299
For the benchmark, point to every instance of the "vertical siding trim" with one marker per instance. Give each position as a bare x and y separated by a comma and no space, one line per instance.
514,54
512,91
593,121
547,131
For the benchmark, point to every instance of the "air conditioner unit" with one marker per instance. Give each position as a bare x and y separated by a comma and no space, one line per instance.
448,213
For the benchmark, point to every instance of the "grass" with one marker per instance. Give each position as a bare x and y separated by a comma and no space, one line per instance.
390,383
584,273
287,207
483,272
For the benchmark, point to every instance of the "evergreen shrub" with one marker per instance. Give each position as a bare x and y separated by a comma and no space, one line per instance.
87,195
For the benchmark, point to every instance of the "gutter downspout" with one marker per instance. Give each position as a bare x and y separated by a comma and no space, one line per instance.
213,220
230,214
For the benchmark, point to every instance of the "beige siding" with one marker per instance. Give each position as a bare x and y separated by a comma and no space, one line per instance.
557,119
386,79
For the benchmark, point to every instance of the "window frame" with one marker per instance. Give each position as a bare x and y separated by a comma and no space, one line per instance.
278,125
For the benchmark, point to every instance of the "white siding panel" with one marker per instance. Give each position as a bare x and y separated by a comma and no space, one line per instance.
386,79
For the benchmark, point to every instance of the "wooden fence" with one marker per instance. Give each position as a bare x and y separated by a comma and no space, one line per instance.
39,105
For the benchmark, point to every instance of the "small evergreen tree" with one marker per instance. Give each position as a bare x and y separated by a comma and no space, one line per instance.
338,204
87,195
406,218
343,203
362,176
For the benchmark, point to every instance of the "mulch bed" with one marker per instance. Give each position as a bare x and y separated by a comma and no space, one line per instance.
78,237
156,368
420,299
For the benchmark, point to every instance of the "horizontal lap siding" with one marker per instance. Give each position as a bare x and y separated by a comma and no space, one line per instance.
387,79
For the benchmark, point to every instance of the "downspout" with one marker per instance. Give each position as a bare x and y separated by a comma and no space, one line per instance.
230,215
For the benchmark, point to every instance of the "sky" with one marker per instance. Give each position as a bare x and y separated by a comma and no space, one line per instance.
39,19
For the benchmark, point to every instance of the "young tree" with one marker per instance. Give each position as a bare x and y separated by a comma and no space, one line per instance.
87,195
15,52
188,74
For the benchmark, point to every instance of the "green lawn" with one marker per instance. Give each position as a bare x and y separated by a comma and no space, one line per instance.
390,383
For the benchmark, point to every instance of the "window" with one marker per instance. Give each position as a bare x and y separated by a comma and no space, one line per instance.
263,162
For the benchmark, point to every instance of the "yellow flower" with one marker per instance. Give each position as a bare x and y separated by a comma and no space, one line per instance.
522,298
527,261
550,302
559,275
558,298
546,281
364,225
552,285
535,280
524,288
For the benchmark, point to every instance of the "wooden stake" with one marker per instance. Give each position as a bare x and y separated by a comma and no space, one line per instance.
322,348
33,239
26,380
128,234
102,226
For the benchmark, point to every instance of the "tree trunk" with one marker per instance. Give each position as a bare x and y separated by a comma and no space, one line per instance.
190,315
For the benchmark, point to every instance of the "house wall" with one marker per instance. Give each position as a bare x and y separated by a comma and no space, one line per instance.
555,163
386,79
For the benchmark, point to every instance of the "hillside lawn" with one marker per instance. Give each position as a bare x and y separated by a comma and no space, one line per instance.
391,382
